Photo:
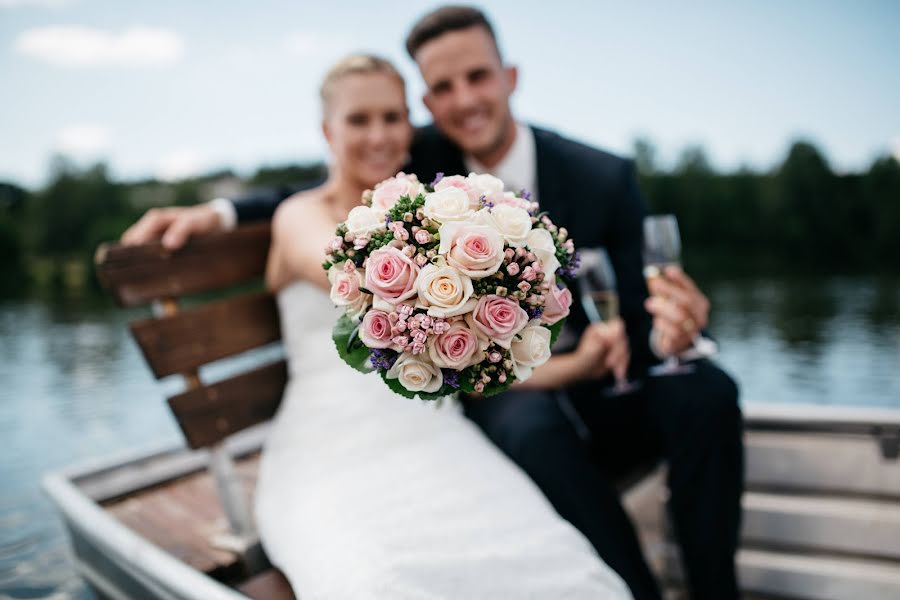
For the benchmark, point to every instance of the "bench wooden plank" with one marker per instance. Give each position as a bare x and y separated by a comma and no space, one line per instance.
211,413
816,462
138,275
191,338
816,577
846,525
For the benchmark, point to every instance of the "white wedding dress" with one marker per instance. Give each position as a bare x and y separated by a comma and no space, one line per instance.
365,494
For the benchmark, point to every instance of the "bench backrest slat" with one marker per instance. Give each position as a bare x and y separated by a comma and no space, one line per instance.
180,341
138,275
196,336
211,413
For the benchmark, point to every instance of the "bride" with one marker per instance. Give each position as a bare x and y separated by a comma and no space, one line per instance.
363,493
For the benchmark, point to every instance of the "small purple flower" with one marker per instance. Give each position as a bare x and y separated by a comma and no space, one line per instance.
525,194
451,377
535,313
382,359
437,178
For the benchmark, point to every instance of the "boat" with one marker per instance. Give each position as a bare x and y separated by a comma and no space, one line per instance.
821,509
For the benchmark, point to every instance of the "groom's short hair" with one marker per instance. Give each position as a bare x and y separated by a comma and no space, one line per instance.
444,20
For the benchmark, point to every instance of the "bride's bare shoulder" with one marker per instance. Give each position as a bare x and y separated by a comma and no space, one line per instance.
308,205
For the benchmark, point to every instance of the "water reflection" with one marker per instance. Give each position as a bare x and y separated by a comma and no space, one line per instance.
74,386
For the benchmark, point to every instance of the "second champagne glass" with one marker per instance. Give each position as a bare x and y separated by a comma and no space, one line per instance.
662,248
597,290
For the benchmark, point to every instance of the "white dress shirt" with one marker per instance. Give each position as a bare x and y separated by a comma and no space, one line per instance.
518,169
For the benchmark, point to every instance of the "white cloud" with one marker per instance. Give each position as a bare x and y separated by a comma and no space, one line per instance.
75,46
84,140
311,44
180,164
895,148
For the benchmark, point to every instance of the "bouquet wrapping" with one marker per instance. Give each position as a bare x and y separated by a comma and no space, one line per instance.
455,286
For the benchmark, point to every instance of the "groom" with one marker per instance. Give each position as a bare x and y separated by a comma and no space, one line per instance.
692,421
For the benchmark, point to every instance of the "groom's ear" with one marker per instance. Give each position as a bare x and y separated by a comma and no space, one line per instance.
326,131
512,77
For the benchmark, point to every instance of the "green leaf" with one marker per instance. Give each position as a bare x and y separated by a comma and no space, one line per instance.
397,387
349,347
555,329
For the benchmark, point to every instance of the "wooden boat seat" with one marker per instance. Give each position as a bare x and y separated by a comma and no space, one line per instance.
187,515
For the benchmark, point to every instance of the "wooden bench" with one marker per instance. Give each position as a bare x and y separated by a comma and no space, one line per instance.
183,337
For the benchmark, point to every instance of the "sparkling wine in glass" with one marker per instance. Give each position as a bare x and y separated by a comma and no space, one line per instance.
662,244
599,298
662,248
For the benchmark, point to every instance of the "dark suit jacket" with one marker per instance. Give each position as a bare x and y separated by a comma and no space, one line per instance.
592,193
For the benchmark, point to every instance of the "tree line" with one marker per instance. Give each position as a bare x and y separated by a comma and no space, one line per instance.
800,213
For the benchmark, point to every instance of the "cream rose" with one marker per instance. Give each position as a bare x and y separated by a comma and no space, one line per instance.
345,284
530,349
476,250
486,185
363,220
462,183
512,222
541,243
416,374
444,291
447,205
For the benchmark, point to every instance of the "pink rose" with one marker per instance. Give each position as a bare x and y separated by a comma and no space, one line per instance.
556,304
458,181
389,191
497,319
510,199
476,250
391,276
345,292
375,330
457,348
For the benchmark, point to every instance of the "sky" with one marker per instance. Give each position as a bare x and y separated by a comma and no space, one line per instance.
171,88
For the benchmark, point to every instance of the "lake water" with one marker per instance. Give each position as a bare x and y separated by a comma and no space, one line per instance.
73,386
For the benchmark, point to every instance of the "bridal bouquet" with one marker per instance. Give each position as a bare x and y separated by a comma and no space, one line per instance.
457,286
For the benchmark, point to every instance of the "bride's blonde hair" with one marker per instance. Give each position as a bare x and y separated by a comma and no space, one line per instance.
356,64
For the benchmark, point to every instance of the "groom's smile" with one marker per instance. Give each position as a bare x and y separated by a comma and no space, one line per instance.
468,91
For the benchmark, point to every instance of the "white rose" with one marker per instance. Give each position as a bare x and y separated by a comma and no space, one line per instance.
363,220
541,243
486,185
444,291
511,222
447,204
530,349
416,374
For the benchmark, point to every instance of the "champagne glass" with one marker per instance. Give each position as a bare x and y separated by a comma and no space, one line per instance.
597,290
662,248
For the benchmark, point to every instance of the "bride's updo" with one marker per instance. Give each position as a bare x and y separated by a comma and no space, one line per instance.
356,64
